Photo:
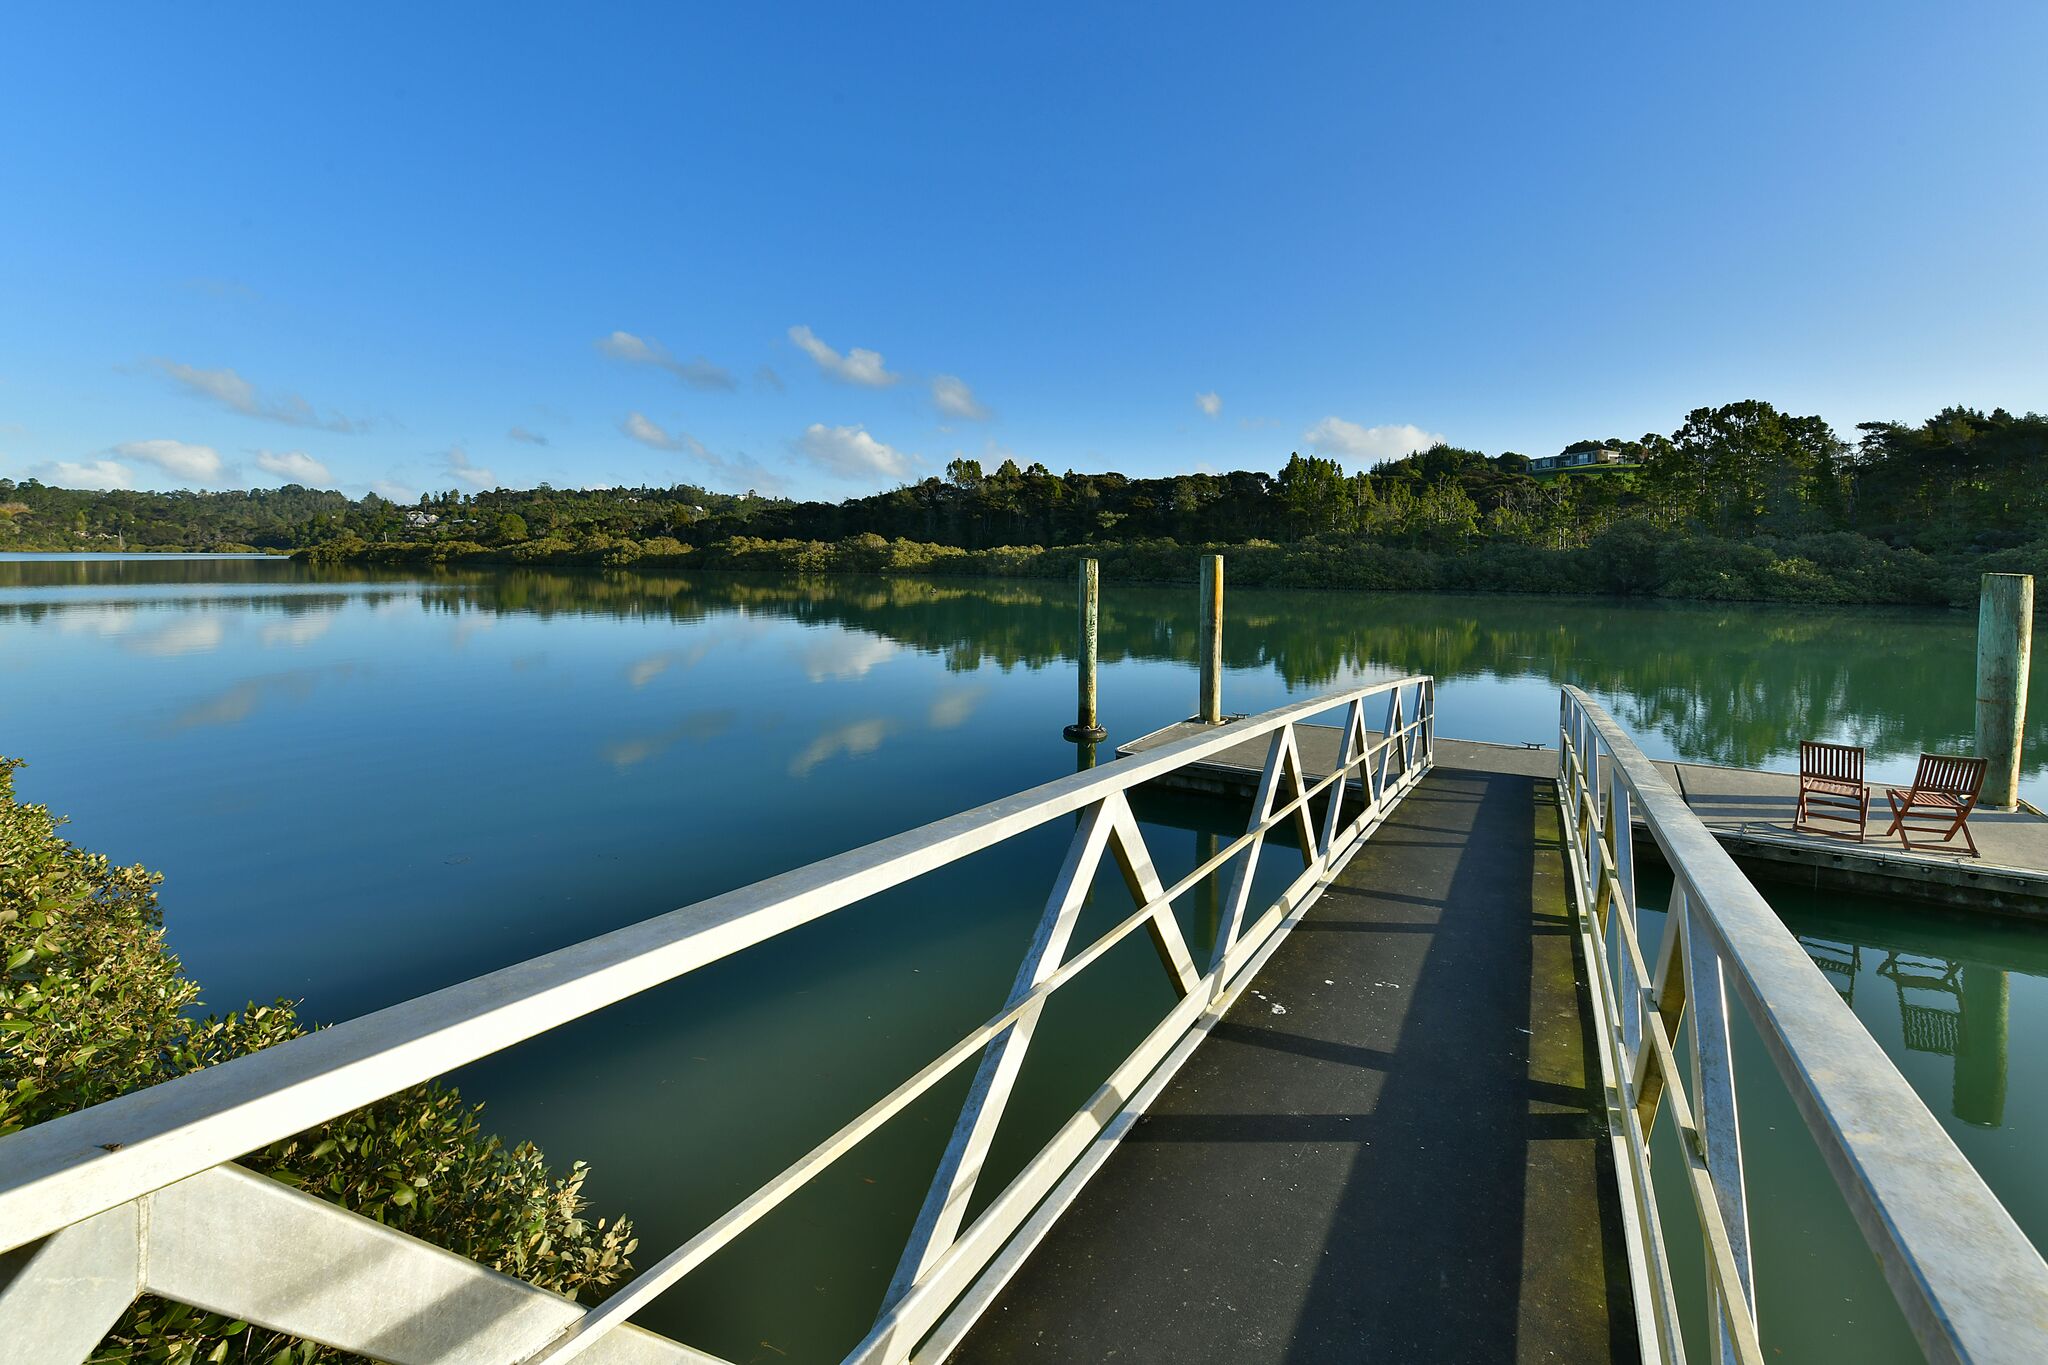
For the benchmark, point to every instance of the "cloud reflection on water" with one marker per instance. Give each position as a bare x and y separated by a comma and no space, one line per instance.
697,726
851,740
233,705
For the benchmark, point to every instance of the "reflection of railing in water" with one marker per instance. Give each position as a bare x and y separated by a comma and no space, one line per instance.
1970,1283
1835,960
132,1196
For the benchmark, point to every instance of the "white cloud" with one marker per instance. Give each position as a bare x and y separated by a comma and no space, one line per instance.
231,391
850,453
295,465
956,399
697,373
394,492
200,464
857,366
456,462
91,474
1335,436
1210,403
525,437
740,472
649,432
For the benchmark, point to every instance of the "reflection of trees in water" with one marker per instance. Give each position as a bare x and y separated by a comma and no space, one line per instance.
49,571
1729,684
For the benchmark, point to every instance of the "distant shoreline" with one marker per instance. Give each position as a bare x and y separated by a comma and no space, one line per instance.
1630,561
1771,577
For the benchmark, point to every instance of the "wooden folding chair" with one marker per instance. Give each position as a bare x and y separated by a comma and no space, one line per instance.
1944,790
1831,787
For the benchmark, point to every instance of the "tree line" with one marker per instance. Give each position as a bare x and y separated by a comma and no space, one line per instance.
1726,505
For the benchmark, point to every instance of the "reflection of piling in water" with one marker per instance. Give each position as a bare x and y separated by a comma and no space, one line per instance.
1981,1047
1086,728
1084,755
2005,640
1208,892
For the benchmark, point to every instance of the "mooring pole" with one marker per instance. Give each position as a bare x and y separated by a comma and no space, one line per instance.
2005,640
1211,712
1086,729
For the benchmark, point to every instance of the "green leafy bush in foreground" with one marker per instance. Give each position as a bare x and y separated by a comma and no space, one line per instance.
93,1006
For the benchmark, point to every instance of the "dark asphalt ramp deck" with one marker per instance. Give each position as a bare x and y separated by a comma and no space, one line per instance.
1393,1151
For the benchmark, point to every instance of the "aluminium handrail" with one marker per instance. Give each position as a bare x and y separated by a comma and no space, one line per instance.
60,1175
1971,1285
71,1167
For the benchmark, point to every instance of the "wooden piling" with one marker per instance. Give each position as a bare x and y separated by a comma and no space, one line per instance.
2005,642
1086,729
1211,709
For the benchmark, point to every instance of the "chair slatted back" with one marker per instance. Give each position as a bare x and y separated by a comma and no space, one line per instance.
1958,777
1836,762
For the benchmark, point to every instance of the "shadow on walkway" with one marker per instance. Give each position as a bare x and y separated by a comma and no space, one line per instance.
1390,1151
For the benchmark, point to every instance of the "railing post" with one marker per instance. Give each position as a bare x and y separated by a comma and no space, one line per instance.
1713,1084
945,1202
1085,728
2005,640
1211,709
1283,763
1623,905
1429,727
59,1296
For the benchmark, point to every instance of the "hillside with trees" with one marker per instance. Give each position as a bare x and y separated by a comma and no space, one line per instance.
1741,501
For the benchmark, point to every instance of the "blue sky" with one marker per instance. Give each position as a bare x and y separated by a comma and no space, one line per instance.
823,249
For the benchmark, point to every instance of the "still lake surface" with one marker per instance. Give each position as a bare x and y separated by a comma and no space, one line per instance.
361,786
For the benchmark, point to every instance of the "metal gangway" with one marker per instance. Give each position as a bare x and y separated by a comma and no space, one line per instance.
142,1195
1971,1285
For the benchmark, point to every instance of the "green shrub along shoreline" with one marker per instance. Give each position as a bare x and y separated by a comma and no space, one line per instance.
1630,558
92,1006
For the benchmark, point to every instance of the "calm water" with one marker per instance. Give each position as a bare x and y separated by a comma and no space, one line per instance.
364,786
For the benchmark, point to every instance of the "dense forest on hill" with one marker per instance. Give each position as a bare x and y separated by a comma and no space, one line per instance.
1740,502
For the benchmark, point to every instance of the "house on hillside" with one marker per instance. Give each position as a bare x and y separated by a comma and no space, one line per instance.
1577,456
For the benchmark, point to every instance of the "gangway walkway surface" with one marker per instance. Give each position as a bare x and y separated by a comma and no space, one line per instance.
1392,1148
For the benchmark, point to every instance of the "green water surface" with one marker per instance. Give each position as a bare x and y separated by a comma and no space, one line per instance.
362,786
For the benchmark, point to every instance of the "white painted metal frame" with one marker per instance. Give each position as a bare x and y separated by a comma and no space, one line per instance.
146,1184
1972,1286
